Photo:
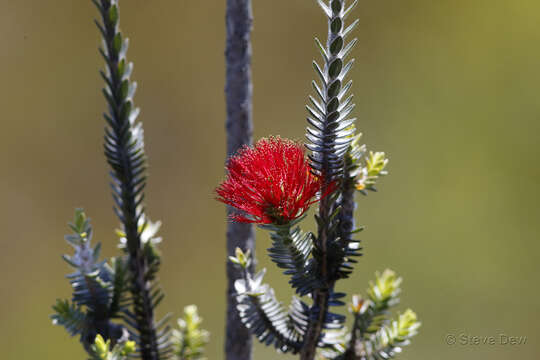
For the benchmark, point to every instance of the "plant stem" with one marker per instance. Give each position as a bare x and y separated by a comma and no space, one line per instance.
350,353
238,91
320,296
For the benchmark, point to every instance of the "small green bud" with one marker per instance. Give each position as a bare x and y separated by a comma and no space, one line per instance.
375,163
374,168
386,286
407,324
129,347
241,258
101,347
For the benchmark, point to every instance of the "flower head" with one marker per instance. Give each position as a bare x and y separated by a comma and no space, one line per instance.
270,182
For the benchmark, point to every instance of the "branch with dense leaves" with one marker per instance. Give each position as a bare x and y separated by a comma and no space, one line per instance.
190,339
374,335
99,290
330,134
113,303
263,314
124,149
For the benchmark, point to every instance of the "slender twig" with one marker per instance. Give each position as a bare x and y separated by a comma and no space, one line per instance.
238,91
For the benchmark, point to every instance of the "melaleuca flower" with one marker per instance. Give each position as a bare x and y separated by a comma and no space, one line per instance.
271,182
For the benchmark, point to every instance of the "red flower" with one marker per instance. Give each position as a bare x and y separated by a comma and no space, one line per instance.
270,182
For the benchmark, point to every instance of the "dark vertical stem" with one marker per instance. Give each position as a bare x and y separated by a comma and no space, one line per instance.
320,296
320,308
238,92
350,353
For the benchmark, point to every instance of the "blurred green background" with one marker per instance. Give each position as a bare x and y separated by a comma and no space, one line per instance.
448,88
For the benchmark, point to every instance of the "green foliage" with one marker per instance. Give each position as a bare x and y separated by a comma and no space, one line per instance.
291,250
116,300
341,247
258,306
69,316
374,334
368,168
120,299
261,312
265,316
330,132
92,279
390,339
99,289
190,339
364,168
385,288
381,296
124,150
101,349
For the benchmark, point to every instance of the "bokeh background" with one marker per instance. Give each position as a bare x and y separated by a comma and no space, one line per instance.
448,88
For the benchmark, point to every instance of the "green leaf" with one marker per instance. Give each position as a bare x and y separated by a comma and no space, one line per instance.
336,6
113,14
69,316
117,43
336,45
